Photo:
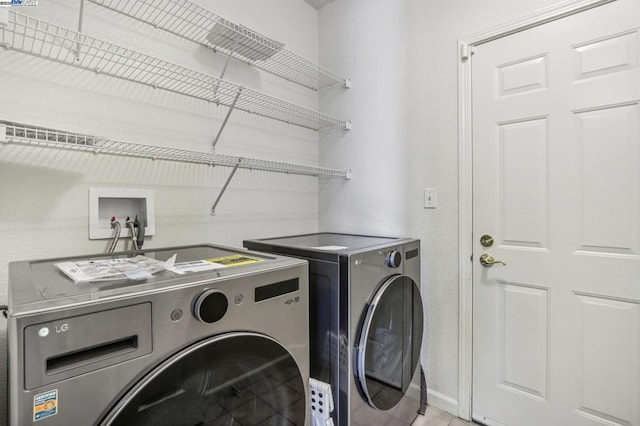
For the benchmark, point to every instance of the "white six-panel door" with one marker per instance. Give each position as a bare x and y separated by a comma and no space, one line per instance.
556,183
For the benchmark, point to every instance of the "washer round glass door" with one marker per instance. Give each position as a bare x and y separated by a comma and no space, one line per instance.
388,349
237,378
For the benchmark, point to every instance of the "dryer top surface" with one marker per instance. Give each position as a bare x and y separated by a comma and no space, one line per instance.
324,245
40,284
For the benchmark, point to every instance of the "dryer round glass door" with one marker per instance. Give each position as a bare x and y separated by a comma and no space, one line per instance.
237,378
389,344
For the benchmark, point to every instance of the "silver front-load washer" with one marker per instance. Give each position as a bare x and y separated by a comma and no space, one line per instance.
366,322
225,344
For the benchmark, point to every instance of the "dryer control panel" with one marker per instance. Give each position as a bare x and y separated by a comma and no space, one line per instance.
393,259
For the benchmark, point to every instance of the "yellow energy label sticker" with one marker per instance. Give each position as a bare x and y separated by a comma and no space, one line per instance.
214,263
234,260
45,405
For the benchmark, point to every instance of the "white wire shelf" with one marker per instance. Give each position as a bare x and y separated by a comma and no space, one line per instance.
26,134
56,43
190,21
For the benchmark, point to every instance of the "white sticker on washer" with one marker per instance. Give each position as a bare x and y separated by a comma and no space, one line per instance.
214,263
45,405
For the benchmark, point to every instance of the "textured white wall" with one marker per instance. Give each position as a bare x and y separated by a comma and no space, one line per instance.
402,57
44,193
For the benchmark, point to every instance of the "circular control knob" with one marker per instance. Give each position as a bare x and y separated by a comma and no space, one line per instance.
210,306
393,259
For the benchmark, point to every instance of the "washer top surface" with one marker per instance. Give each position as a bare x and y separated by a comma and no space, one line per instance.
40,284
324,245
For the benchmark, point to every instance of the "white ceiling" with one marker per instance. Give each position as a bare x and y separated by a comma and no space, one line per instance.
318,3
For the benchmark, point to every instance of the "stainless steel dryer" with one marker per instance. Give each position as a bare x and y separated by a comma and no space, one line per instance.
226,344
366,322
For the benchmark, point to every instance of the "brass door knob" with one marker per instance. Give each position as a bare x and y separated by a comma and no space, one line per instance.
488,261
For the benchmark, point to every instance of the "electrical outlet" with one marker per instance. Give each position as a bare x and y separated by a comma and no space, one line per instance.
430,198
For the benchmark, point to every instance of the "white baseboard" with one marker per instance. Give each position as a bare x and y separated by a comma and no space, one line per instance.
443,402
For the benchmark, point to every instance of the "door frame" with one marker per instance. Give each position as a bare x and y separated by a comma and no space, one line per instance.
465,178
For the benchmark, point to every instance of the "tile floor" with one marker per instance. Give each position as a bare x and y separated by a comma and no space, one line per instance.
436,417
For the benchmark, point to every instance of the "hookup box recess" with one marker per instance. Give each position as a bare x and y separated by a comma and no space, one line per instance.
104,203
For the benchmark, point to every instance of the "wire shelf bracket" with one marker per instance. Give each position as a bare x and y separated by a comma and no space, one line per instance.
49,41
192,22
224,187
26,134
226,119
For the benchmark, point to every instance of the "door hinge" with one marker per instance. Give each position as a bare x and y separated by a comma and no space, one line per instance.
465,51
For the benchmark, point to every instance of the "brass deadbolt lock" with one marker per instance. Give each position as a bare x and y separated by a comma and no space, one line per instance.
486,240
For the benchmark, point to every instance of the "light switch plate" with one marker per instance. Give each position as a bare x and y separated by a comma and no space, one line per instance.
430,198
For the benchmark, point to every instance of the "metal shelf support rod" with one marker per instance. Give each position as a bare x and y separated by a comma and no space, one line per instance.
229,56
80,19
224,69
224,187
226,118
